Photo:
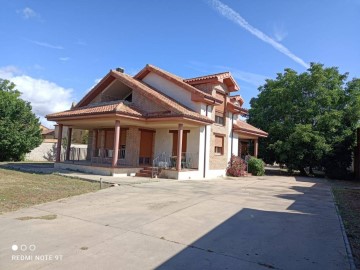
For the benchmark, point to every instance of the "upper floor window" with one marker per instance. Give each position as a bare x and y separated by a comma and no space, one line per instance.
219,118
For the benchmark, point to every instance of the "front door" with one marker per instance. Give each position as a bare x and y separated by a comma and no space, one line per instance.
146,147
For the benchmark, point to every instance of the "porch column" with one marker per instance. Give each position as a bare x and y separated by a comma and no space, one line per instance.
102,143
179,148
94,142
58,146
256,147
68,146
116,143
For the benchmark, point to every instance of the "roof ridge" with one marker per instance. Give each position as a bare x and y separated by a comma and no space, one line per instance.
208,75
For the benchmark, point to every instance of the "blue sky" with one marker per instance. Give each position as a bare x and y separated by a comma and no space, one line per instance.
55,51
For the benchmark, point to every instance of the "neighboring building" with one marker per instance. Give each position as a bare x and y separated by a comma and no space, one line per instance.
47,134
144,120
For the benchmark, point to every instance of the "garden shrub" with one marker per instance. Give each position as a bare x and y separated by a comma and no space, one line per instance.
256,166
236,167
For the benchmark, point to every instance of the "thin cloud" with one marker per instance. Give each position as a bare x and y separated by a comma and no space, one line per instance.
28,13
235,17
279,32
47,45
64,59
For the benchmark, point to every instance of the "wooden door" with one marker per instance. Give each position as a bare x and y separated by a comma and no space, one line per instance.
146,147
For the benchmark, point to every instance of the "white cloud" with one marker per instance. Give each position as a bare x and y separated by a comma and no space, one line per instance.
235,17
28,13
64,59
47,45
45,96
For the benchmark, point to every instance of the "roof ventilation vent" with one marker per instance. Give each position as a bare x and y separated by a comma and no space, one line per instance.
119,69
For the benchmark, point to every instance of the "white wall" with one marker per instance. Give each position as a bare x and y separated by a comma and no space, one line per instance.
193,146
172,90
163,142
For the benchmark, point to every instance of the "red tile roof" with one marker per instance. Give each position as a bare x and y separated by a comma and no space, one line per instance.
174,109
242,126
219,77
99,108
175,79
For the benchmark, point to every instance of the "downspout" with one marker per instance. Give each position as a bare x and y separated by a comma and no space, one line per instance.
232,136
204,171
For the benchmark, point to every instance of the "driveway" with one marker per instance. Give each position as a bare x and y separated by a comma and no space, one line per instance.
268,222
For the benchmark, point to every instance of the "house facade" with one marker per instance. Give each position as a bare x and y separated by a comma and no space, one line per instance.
180,128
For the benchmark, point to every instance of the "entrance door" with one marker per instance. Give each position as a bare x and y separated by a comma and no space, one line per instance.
146,147
175,142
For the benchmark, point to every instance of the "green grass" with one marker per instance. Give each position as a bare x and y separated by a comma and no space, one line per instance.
19,189
348,201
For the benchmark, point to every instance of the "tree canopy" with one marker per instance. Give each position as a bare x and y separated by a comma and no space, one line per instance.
311,119
19,127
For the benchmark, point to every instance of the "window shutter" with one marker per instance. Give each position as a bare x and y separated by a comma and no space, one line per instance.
221,107
218,141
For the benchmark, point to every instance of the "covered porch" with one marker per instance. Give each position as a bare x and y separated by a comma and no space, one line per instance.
124,147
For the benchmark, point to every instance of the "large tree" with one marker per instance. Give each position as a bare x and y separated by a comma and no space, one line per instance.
19,127
310,117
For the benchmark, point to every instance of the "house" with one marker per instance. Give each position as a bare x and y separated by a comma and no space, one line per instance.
187,127
47,134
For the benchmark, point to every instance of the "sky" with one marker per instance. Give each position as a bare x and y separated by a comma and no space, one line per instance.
56,51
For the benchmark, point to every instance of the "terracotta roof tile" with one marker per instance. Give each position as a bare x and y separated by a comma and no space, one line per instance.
157,96
219,76
173,78
240,125
99,108
174,109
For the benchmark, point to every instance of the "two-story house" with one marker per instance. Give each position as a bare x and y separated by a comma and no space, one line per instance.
189,128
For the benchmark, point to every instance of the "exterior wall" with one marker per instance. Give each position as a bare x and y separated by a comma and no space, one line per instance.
218,162
144,103
44,152
163,142
205,87
172,90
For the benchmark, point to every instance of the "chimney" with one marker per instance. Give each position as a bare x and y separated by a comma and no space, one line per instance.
119,69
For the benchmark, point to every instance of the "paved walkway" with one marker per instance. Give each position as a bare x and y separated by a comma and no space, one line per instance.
252,223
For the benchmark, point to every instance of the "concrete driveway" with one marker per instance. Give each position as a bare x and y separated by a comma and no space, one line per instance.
268,222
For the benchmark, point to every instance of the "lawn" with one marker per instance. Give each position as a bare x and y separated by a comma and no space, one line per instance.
19,189
348,201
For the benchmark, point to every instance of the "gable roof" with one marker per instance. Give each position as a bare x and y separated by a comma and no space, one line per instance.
197,95
173,108
244,127
223,77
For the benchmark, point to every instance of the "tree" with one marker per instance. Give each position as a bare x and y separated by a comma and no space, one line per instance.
310,117
19,127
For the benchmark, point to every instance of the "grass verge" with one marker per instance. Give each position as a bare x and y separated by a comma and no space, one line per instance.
19,189
348,202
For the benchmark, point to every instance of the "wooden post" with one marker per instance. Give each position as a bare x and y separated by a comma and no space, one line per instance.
102,143
116,143
256,147
179,148
94,142
58,146
68,146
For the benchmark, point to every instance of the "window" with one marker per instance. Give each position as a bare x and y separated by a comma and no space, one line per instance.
219,118
219,145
